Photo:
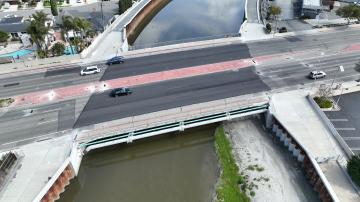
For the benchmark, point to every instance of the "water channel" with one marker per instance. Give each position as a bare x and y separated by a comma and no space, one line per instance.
174,167
190,20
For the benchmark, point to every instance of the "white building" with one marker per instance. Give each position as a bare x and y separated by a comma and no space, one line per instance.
312,8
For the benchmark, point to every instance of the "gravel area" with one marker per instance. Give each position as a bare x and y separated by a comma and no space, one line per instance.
274,174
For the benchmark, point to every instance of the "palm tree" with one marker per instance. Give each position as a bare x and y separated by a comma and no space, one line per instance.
68,25
37,33
40,17
38,30
82,25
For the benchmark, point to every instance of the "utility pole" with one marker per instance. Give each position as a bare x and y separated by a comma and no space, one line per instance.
102,14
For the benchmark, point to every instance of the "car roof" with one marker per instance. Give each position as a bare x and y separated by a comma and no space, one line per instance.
91,67
317,72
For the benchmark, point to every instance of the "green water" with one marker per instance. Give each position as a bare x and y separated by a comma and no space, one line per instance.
176,167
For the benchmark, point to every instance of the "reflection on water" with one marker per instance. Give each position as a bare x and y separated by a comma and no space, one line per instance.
184,19
173,167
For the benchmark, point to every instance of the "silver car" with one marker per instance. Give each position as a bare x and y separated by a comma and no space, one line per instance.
90,70
317,75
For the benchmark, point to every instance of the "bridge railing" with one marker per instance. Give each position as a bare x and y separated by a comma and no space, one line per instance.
165,43
169,116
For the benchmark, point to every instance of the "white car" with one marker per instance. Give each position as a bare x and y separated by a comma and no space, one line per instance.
317,75
90,70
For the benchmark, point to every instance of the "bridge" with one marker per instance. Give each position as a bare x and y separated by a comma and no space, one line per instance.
226,89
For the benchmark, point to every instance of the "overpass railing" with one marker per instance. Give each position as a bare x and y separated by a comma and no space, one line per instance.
174,126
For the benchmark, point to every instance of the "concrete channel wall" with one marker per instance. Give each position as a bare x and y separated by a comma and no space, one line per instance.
331,127
312,169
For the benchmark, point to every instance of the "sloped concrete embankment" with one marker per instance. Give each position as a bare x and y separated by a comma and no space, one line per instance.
313,171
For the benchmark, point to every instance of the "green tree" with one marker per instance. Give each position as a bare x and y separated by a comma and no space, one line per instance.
349,12
274,12
40,17
68,25
82,25
58,49
38,31
4,36
124,5
353,168
54,9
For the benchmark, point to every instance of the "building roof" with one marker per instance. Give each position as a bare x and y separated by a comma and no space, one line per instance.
12,28
11,20
13,24
312,3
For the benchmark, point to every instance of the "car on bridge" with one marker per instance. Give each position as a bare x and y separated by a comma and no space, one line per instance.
90,70
317,75
120,92
115,60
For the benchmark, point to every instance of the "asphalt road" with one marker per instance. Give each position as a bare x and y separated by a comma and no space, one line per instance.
170,94
149,98
31,123
54,78
327,42
347,120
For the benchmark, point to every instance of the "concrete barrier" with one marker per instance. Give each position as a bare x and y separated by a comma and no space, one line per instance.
331,127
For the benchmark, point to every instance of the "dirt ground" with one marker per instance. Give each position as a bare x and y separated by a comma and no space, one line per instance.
272,172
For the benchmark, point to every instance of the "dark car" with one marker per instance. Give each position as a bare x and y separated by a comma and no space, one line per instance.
282,30
115,60
120,92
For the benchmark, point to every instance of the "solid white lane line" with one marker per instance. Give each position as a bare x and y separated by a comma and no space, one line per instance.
44,122
345,128
339,120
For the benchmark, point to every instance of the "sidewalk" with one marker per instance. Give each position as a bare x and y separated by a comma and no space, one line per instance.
111,43
295,112
40,161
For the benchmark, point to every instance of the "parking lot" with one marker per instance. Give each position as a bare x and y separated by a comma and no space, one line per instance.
347,119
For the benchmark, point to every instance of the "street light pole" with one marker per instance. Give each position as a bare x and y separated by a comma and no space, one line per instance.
102,14
341,69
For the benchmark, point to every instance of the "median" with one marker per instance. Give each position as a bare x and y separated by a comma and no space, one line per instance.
228,189
6,102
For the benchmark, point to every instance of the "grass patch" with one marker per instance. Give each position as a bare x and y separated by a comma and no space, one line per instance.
6,102
228,189
323,102
255,167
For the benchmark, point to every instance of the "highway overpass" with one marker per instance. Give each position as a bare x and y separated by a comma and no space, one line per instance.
278,64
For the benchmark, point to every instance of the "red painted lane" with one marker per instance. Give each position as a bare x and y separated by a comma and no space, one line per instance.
353,47
87,89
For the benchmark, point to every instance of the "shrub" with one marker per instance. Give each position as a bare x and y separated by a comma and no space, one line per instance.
6,102
58,49
4,36
323,102
268,28
353,168
41,54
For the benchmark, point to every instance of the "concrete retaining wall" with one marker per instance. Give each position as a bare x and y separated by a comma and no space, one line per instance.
56,185
331,127
313,171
